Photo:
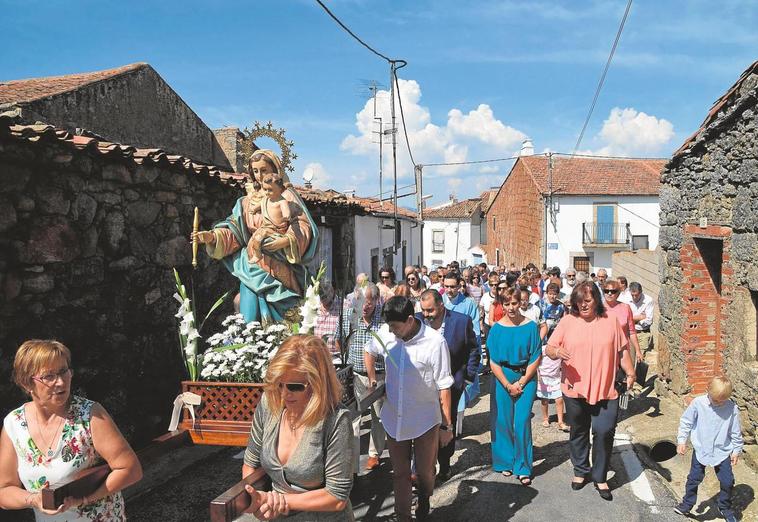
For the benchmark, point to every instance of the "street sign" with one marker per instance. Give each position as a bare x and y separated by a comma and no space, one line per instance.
552,246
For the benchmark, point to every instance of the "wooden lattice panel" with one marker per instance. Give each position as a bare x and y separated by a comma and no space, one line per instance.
226,401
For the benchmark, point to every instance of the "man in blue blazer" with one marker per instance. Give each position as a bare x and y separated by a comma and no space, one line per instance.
458,331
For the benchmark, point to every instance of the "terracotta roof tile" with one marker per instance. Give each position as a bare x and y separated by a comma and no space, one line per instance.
462,209
595,175
24,91
36,133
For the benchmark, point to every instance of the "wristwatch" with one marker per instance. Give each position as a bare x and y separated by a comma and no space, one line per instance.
446,427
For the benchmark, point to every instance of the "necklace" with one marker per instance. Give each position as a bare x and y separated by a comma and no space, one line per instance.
42,435
291,423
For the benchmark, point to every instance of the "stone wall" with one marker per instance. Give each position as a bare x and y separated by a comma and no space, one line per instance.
516,215
87,244
642,266
709,268
136,107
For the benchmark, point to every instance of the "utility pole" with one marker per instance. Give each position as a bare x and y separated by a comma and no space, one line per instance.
418,170
398,233
548,203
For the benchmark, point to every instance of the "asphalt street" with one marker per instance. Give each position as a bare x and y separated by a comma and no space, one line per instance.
474,492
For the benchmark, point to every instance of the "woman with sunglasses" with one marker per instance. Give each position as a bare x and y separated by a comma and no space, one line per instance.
416,287
50,440
302,437
497,311
622,312
386,284
474,288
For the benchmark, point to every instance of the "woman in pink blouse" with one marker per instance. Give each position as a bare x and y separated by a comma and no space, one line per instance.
622,312
591,346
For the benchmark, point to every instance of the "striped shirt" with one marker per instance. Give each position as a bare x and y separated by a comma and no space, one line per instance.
359,337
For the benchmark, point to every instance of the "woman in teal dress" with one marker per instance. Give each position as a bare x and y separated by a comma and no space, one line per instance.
515,353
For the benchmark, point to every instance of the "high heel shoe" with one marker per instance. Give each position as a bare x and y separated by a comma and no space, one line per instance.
605,494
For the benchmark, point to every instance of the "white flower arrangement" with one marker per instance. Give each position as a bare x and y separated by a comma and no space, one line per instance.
311,303
241,352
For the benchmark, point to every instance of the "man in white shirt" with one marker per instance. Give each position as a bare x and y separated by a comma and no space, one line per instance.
625,296
570,281
417,411
642,311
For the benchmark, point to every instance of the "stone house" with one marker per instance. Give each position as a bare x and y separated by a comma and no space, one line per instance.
573,211
709,266
89,233
453,231
129,104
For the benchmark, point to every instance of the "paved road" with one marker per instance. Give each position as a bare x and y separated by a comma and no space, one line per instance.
473,493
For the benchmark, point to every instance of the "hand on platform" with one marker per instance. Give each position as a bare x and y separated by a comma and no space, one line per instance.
274,506
257,498
681,449
35,501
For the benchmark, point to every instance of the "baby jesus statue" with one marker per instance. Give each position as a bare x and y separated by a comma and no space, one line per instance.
278,215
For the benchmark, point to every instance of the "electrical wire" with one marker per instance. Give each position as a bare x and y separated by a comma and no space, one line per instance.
475,162
351,33
402,118
602,77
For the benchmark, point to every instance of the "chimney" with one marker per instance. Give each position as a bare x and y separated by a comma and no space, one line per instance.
453,198
527,149
229,142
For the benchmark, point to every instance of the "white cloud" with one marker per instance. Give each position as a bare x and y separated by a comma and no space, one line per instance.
488,169
477,133
321,177
628,132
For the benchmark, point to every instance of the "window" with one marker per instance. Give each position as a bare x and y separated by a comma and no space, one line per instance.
497,256
438,241
493,222
640,243
712,252
582,264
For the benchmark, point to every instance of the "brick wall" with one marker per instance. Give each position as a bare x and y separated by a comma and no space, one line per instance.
517,213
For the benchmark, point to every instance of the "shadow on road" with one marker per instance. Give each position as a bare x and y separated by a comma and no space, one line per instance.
513,498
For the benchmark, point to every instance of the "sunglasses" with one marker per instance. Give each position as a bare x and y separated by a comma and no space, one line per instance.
412,279
385,277
51,378
610,291
297,387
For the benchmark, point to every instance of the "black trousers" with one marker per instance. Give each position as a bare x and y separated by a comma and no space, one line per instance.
445,452
601,417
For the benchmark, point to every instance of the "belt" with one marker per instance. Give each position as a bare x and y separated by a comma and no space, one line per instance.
646,330
517,369
366,374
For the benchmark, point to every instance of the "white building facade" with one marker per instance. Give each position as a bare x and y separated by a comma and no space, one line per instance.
453,232
374,240
584,231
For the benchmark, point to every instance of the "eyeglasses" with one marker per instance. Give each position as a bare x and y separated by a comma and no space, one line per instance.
412,279
385,277
611,291
296,387
570,277
51,378
502,288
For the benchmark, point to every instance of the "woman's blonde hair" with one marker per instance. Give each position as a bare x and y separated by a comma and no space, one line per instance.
35,355
720,388
309,355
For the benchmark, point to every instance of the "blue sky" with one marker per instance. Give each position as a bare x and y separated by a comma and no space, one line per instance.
481,75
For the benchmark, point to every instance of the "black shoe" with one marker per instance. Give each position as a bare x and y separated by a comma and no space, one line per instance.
681,511
444,475
576,486
605,494
422,508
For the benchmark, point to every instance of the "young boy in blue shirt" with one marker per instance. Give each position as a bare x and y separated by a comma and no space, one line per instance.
712,422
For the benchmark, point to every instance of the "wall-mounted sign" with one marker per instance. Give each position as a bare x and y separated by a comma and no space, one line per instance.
552,246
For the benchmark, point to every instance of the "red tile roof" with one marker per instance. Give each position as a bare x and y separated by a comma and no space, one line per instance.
22,91
588,175
42,133
459,210
728,97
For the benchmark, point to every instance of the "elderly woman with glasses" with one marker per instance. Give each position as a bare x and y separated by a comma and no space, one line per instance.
301,437
50,440
622,312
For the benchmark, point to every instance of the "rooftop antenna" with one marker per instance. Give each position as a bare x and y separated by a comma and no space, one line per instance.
373,87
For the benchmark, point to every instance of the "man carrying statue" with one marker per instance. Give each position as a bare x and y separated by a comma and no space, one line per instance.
266,241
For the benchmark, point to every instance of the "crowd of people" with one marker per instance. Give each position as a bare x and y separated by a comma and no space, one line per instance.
566,337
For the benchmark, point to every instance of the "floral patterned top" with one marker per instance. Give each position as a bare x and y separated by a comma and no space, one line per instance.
74,452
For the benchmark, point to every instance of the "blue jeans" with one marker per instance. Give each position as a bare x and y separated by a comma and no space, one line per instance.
697,473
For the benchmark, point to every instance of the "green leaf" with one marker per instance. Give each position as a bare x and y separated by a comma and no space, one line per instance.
213,308
228,347
384,348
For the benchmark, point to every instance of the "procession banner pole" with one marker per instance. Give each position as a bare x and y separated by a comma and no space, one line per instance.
195,229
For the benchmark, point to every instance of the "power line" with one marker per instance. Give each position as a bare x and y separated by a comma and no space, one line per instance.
351,33
402,118
602,78
469,162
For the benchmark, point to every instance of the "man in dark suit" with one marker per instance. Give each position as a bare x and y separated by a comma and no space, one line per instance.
458,331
